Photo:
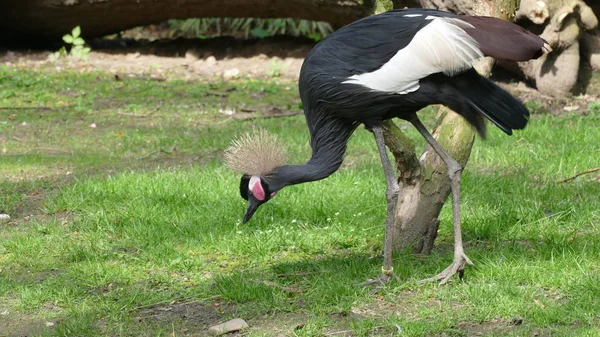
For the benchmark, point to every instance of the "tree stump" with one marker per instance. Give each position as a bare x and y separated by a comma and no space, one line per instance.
569,27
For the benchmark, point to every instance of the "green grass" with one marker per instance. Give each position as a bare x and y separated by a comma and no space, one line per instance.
106,240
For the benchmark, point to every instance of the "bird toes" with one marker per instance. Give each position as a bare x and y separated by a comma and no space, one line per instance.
468,261
457,267
379,282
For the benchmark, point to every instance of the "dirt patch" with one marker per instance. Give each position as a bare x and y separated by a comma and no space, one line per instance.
14,324
495,327
201,314
194,318
283,324
293,324
182,58
23,325
190,318
404,305
30,208
25,276
31,204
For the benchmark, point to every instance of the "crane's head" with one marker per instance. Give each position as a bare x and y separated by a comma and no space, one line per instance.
256,190
255,155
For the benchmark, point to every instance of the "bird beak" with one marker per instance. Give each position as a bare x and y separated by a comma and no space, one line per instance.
252,207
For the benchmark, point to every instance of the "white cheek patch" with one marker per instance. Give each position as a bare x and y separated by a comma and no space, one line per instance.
256,188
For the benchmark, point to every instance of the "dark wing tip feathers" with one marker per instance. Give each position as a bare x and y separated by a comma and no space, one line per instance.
488,99
505,40
499,123
502,40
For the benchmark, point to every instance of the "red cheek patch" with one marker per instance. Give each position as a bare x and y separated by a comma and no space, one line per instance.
256,187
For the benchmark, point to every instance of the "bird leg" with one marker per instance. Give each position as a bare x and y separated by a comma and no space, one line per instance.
454,172
392,189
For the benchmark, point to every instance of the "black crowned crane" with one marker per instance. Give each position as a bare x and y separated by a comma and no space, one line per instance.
385,66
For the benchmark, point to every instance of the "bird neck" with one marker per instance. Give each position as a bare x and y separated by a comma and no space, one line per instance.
328,142
313,170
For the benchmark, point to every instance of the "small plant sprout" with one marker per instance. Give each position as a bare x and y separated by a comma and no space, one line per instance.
275,69
77,49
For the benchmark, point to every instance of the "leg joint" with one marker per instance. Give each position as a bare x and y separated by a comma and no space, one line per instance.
454,170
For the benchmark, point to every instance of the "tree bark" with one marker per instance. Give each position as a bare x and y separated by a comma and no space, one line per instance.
505,9
567,25
424,184
47,20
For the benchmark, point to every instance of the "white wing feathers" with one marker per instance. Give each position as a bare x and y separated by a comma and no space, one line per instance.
442,46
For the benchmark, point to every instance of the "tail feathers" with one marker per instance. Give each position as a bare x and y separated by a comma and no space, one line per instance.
483,97
493,118
504,40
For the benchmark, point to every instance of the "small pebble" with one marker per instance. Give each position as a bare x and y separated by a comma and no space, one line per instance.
229,326
4,217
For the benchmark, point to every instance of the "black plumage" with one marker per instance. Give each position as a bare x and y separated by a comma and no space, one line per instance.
390,66
365,45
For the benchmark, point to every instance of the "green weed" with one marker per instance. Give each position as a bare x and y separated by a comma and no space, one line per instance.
76,43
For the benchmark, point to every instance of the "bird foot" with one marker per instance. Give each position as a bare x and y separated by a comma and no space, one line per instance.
457,267
379,282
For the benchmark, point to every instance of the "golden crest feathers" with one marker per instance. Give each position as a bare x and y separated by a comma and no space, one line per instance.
255,153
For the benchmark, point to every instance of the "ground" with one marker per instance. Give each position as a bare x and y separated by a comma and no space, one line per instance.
125,222
185,59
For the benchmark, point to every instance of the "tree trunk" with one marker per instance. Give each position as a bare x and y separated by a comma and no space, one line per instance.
48,20
424,184
504,9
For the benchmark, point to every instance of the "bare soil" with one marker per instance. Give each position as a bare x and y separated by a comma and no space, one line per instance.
195,316
182,58
23,325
